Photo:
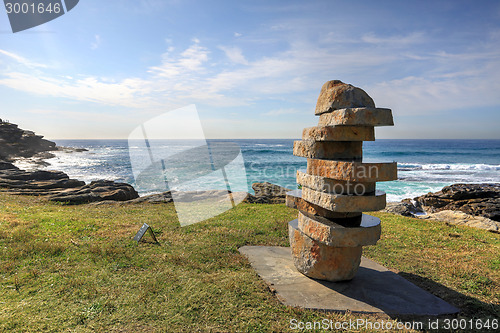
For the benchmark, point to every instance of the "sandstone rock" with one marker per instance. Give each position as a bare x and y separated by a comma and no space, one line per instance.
473,199
357,116
345,150
320,261
345,203
353,171
294,200
101,190
327,185
16,142
404,208
57,186
338,95
267,193
158,198
339,133
333,234
460,218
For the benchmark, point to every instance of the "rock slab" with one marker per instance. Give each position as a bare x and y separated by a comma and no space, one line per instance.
344,150
374,289
333,234
353,171
339,133
357,116
294,200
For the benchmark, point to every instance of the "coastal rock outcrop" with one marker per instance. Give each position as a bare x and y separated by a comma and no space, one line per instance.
456,217
16,142
267,193
473,205
473,199
57,186
101,190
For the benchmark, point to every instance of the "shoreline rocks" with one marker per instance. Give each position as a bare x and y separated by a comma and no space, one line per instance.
18,143
57,186
267,193
475,205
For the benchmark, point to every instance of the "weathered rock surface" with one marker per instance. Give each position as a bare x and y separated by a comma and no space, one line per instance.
339,133
353,171
345,150
403,208
16,143
267,193
100,190
338,95
460,218
473,199
357,116
158,198
40,182
345,203
320,261
328,185
333,234
57,186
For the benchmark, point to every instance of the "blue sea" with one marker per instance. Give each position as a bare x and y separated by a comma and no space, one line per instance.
423,165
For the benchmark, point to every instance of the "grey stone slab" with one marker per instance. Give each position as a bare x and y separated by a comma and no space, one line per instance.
374,289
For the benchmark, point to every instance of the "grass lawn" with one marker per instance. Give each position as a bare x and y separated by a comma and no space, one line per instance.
76,268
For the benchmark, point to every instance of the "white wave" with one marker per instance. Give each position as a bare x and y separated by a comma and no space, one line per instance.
449,166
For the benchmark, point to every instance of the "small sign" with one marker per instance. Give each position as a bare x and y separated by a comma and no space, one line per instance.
145,228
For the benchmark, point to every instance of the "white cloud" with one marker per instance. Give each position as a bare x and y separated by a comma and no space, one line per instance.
234,54
21,60
190,61
443,80
419,95
237,34
96,43
129,92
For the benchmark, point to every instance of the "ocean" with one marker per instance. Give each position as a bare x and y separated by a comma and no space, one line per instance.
423,165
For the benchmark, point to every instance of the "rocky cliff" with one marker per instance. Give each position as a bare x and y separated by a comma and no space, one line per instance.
16,142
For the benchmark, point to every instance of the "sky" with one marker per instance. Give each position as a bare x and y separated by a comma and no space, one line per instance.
254,69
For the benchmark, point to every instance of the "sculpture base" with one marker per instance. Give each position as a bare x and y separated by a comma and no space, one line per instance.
374,289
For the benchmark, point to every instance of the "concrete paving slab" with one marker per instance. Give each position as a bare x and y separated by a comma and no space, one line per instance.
374,289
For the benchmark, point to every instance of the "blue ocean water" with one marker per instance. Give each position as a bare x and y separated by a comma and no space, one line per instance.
423,165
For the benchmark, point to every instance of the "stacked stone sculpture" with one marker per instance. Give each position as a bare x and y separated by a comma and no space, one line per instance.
328,236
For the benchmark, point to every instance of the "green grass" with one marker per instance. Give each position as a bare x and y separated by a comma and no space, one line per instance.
76,268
